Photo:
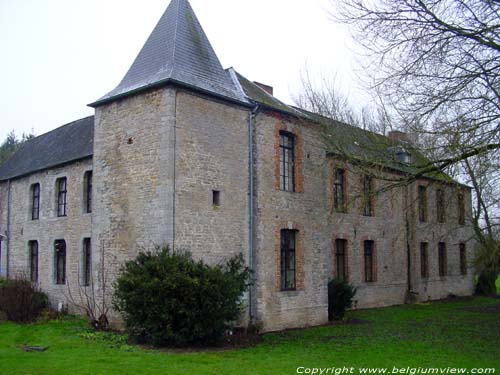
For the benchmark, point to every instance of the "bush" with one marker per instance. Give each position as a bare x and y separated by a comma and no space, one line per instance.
340,295
167,298
21,301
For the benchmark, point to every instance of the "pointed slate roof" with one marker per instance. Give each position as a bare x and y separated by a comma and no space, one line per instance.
68,143
177,51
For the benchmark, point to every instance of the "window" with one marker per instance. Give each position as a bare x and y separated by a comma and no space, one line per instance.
35,201
463,259
87,198
422,203
60,261
288,259
215,198
369,262
424,260
33,249
341,258
61,185
461,209
339,190
440,209
287,177
87,262
442,258
367,196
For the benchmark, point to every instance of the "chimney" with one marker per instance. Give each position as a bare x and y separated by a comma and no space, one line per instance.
400,136
266,88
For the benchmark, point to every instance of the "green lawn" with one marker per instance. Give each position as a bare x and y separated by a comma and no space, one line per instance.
459,333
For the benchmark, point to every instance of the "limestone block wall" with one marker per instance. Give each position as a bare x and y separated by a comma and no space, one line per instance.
305,210
386,228
133,177
212,154
452,233
72,228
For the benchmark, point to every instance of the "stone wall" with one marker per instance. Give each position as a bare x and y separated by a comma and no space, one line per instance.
133,177
310,211
158,158
72,228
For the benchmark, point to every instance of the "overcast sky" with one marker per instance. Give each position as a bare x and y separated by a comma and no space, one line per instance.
58,55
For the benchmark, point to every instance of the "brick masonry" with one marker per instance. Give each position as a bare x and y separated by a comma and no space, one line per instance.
159,156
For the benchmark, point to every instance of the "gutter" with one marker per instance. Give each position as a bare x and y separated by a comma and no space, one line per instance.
251,213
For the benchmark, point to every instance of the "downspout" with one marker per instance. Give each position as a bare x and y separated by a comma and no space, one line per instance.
7,247
174,171
251,214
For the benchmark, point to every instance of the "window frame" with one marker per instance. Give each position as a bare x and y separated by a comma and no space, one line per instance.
442,259
287,143
35,201
87,178
462,249
461,208
367,191
86,261
440,206
341,253
369,261
424,260
62,197
60,257
288,249
33,260
339,190
422,203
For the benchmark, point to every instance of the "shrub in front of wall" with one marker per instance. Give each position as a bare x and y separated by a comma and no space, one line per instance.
340,295
167,298
21,301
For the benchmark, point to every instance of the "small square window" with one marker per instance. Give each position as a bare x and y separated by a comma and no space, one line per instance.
216,198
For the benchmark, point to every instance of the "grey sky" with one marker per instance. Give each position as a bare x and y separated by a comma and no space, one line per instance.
59,55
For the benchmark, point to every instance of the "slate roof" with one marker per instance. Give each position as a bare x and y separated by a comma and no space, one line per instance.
177,51
348,140
65,144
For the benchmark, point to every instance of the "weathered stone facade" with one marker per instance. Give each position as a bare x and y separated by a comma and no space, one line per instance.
72,228
162,152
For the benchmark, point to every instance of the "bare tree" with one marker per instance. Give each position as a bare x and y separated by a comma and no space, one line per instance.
437,62
91,295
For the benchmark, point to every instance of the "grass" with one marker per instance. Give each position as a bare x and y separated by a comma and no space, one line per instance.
456,333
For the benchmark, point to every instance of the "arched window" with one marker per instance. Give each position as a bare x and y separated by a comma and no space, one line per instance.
62,201
35,201
33,249
60,261
87,192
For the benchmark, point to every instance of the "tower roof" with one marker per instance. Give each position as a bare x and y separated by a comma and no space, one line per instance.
177,51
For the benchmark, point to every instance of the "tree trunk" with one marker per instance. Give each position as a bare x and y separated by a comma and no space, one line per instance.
486,284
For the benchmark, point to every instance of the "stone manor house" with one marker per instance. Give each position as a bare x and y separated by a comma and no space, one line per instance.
186,153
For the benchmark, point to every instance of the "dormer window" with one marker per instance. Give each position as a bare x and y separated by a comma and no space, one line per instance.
402,156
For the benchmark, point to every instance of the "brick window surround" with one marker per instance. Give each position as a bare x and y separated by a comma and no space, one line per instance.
347,255
299,253
296,132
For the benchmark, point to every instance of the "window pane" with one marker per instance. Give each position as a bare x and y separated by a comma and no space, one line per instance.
340,258
463,259
287,259
286,162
